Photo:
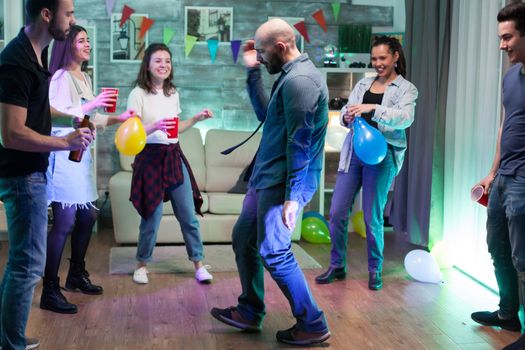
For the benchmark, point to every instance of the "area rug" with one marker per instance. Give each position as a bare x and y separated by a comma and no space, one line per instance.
174,259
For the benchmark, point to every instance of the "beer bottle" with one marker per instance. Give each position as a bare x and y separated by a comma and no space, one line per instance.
76,156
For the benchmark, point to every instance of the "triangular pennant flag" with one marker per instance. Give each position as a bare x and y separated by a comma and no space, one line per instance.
145,26
109,6
301,27
319,17
126,14
213,44
189,42
236,45
167,35
336,7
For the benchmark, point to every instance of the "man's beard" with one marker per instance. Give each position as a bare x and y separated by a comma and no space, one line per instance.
56,33
274,66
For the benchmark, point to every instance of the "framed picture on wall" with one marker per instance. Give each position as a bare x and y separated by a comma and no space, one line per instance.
125,43
299,40
209,23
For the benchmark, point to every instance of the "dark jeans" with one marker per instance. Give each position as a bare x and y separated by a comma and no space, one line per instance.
506,239
261,239
376,181
25,202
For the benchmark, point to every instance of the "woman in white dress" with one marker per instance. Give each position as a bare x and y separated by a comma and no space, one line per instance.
71,187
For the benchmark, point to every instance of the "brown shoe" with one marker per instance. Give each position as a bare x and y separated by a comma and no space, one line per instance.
232,317
295,336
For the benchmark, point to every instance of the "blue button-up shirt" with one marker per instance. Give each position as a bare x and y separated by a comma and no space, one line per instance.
295,120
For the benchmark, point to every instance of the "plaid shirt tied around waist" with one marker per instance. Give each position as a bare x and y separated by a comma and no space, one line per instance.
157,169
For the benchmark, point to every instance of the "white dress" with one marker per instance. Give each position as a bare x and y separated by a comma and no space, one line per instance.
71,183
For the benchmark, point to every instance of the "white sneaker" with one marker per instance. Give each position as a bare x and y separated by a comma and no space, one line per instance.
202,275
140,275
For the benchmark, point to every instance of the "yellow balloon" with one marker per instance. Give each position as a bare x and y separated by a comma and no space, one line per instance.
358,222
130,138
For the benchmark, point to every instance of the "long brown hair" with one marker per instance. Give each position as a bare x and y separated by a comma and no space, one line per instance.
144,77
62,51
393,46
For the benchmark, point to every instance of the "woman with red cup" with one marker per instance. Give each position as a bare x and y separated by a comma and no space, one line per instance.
71,186
161,170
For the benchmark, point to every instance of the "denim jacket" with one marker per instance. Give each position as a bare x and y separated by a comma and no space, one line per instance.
393,116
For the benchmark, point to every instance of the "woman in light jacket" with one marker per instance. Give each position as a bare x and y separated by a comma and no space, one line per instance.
387,102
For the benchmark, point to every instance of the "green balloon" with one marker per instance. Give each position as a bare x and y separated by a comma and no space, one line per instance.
314,230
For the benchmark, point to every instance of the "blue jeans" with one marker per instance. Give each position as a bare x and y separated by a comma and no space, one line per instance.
260,239
376,181
25,202
506,239
181,198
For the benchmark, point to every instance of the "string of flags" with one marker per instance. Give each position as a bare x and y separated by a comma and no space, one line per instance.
213,44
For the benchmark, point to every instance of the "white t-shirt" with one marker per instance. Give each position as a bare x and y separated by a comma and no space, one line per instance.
154,107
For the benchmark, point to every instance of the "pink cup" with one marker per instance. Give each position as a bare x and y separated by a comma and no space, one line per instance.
113,107
173,132
478,195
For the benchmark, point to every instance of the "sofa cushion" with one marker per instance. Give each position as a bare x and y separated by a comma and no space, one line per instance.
223,171
168,210
193,149
225,203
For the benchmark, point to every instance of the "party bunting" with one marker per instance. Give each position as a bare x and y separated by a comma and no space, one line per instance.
235,45
189,42
319,17
213,44
167,35
109,6
145,26
126,14
336,7
301,27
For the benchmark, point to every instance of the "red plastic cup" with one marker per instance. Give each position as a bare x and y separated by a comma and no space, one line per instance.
173,132
113,107
478,195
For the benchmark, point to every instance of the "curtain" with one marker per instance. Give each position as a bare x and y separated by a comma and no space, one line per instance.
472,122
426,47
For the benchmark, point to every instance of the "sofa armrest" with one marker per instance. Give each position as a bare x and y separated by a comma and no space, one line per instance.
126,220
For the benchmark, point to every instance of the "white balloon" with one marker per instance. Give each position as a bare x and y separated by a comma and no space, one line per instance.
422,267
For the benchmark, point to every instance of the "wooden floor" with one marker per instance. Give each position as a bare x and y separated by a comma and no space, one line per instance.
172,312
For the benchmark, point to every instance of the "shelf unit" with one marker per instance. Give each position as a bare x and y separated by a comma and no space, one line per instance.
340,82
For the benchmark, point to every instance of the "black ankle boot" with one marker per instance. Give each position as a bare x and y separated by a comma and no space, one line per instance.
333,273
375,281
53,300
78,280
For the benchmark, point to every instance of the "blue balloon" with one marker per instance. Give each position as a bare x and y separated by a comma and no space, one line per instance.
369,143
314,214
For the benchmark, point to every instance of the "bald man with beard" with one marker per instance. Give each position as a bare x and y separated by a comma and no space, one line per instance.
285,176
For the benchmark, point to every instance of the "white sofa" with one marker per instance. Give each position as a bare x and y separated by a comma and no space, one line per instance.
216,175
